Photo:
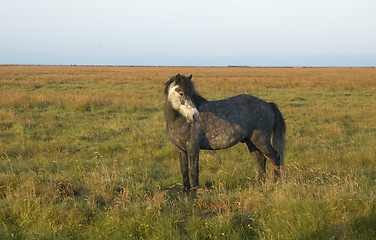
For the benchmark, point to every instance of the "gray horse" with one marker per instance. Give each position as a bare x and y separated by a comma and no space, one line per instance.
194,123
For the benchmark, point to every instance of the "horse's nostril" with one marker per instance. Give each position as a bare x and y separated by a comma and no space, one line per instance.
196,116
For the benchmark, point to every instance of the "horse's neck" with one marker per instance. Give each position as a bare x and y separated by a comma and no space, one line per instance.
170,113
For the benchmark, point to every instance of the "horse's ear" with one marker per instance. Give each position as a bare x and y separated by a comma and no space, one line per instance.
173,79
190,77
177,78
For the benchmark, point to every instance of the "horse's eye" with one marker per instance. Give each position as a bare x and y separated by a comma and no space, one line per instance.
179,91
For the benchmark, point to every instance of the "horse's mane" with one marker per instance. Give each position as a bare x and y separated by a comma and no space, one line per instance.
188,86
198,99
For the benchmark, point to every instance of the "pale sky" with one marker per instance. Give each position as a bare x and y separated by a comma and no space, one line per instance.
189,33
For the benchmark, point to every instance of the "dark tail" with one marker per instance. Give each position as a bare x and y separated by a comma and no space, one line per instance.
279,133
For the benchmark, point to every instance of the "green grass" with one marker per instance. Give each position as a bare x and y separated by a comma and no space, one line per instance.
84,155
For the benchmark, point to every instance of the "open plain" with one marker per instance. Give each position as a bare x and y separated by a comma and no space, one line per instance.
84,155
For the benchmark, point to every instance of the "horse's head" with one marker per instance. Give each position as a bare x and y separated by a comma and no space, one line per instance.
179,91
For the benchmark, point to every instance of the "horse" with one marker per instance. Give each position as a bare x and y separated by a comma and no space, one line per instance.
194,123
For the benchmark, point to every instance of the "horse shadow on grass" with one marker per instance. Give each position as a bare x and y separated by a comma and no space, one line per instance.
193,208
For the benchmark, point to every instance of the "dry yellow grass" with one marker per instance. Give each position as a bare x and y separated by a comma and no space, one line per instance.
84,155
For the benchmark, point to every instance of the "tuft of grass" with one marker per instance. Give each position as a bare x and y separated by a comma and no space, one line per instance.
84,154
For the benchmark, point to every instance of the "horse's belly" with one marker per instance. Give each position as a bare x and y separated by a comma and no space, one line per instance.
222,138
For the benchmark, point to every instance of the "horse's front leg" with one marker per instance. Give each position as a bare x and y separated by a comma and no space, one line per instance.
193,156
183,157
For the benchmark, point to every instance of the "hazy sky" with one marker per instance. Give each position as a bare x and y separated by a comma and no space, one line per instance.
194,32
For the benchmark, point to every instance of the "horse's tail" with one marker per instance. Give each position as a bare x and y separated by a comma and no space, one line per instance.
279,132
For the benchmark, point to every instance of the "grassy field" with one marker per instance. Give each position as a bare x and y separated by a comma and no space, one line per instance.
84,155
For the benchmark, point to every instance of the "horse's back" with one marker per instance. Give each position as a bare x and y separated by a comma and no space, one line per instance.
239,109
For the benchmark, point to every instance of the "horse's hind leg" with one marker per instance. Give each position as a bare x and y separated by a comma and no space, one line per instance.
261,164
260,160
262,143
269,151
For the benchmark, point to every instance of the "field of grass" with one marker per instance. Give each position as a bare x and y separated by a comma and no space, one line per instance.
84,155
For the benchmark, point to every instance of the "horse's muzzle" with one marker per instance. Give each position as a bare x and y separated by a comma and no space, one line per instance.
194,117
